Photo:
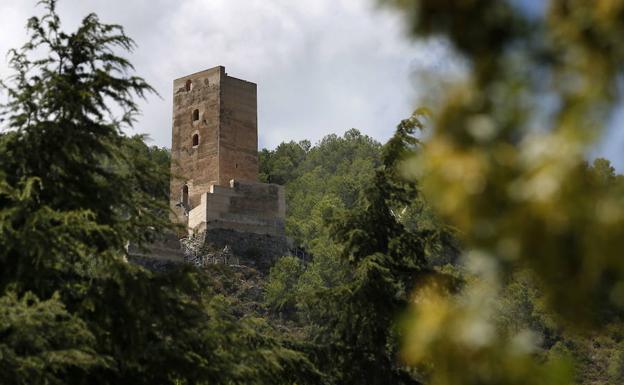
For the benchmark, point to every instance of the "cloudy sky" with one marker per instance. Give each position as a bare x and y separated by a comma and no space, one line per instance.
322,66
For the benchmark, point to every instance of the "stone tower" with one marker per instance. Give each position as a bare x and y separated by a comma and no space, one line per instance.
214,190
215,134
214,166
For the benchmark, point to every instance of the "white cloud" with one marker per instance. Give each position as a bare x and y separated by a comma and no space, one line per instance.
322,66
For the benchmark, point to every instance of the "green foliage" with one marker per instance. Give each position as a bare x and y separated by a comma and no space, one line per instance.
616,365
281,293
321,181
364,265
359,318
505,164
174,327
280,165
63,131
73,191
41,246
357,283
42,343
520,307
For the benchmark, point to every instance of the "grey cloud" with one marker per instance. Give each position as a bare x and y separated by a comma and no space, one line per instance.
322,66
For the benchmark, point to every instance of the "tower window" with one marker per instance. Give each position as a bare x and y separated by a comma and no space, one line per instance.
195,115
195,140
189,85
185,197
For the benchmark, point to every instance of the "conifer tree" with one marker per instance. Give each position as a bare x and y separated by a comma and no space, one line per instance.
359,317
73,190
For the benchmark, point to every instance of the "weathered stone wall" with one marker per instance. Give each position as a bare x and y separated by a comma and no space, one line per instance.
160,255
259,251
167,249
212,246
238,146
196,166
249,207
152,264
221,111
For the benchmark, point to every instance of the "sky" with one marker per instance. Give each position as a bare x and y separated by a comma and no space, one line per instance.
322,66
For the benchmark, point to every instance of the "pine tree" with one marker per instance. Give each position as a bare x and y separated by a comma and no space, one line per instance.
358,318
73,190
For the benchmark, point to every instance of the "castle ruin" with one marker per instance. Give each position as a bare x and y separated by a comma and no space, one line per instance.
214,188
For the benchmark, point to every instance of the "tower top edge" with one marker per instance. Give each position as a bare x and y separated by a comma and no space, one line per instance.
211,71
208,71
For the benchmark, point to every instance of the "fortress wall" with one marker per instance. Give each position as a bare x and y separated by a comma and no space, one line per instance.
249,207
256,250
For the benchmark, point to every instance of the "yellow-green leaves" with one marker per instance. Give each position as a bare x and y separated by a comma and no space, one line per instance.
455,339
506,164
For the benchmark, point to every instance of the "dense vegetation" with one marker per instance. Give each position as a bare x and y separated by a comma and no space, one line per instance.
73,190
526,287
299,295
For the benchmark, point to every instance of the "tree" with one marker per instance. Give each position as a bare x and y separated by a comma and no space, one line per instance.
358,318
368,250
64,141
73,191
328,176
281,293
280,165
508,170
43,343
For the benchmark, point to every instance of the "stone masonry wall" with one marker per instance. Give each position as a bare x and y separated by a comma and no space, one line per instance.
219,111
249,207
259,251
238,145
195,166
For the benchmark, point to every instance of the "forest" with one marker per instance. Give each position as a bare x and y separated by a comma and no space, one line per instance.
480,245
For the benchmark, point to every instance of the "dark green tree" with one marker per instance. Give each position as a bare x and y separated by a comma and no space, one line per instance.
358,318
42,343
280,165
73,191
69,99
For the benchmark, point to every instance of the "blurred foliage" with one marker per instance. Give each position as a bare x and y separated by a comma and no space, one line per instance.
505,164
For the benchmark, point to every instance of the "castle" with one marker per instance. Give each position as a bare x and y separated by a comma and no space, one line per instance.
214,188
